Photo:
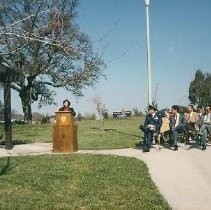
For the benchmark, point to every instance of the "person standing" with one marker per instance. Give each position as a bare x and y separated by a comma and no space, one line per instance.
67,107
151,127
177,124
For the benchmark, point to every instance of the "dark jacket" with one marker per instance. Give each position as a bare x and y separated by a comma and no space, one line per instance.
153,120
69,109
181,120
202,120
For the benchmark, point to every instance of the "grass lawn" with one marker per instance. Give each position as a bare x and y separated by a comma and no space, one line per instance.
117,133
77,182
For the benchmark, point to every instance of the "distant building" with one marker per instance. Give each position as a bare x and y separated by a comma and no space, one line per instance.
121,114
128,113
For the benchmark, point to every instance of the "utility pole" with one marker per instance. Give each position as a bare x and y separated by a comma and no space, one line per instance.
147,2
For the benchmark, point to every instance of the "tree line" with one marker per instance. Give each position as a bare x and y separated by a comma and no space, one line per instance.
42,42
200,89
199,94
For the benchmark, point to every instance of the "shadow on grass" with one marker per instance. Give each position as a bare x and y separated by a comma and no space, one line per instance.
106,129
116,131
16,142
139,145
109,129
124,133
6,167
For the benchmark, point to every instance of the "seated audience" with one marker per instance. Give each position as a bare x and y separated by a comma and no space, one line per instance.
191,122
165,125
151,127
177,124
205,126
200,111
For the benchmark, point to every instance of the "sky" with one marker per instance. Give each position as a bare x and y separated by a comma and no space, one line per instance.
180,34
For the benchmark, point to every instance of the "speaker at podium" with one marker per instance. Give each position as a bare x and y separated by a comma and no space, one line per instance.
65,133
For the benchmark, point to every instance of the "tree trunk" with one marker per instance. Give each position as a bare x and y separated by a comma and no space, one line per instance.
7,116
101,123
26,105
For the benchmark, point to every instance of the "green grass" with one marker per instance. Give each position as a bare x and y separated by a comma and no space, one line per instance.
77,182
117,133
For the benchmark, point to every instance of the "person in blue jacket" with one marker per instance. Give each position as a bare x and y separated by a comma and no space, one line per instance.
151,127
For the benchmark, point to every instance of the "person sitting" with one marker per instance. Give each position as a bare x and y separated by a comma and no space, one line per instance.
200,111
151,127
165,126
205,127
177,124
66,107
191,122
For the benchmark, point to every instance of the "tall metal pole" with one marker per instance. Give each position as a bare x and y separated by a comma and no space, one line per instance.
148,53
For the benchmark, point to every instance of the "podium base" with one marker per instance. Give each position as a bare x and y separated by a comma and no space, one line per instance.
65,139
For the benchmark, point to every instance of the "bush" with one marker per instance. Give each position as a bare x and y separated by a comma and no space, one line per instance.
89,116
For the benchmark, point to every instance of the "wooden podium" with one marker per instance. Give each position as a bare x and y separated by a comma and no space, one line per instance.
65,133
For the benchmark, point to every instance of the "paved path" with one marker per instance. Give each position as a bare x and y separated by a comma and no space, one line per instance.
183,177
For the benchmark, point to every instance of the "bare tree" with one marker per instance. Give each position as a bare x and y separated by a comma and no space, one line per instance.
100,108
40,40
155,98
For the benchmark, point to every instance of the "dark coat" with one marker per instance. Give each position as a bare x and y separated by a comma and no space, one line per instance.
202,120
69,109
156,121
181,121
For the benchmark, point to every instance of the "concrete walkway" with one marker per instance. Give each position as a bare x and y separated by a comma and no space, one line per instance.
183,176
